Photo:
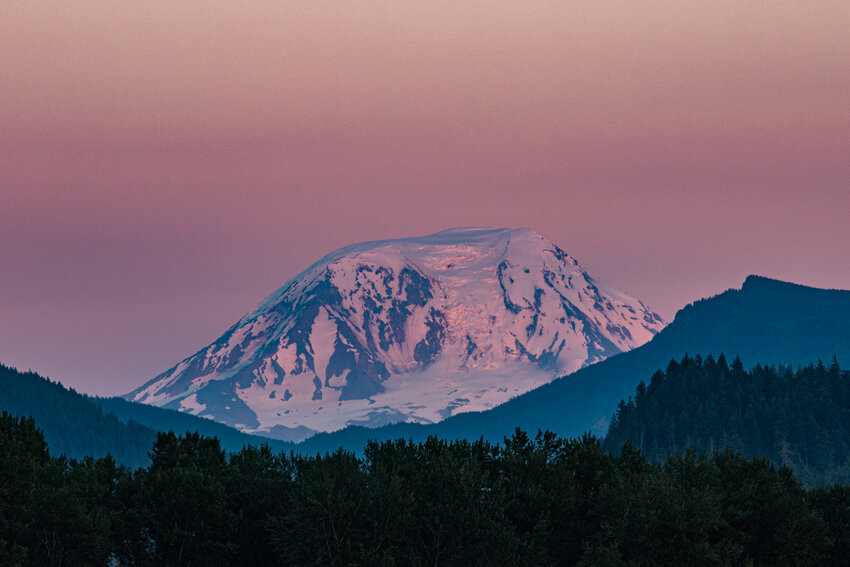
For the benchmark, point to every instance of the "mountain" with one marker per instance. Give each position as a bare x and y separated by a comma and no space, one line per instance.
77,426
766,321
406,330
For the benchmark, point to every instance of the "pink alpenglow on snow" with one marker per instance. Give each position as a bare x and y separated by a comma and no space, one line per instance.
412,329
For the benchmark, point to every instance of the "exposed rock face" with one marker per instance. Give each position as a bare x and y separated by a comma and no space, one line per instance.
406,330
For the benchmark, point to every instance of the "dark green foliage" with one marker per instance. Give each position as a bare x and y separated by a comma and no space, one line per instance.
703,510
23,453
799,419
322,526
52,511
541,501
833,505
259,485
179,510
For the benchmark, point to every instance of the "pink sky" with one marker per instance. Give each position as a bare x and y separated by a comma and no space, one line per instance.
163,166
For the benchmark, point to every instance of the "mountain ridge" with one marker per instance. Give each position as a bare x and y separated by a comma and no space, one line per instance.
760,322
78,425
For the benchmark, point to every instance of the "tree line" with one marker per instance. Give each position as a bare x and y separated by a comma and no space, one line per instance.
796,418
527,501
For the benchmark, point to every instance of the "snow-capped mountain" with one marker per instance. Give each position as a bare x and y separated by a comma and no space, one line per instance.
412,329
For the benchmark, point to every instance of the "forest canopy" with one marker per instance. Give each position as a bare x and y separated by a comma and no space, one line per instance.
527,501
796,418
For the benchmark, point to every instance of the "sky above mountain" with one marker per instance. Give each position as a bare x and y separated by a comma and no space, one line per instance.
163,166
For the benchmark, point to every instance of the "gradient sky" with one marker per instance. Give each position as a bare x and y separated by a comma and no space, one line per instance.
165,165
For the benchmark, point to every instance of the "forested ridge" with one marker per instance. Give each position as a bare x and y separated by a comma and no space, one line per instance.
71,423
540,501
799,418
78,426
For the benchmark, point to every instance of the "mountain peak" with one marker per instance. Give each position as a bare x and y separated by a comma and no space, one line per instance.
473,233
766,284
407,329
762,282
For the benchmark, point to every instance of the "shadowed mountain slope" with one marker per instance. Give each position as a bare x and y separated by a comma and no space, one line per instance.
766,321
77,426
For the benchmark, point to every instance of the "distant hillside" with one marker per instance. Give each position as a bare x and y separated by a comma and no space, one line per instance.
72,424
766,321
164,420
77,426
799,419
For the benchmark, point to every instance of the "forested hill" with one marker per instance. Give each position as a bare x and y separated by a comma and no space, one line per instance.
72,424
797,418
78,426
171,420
766,321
